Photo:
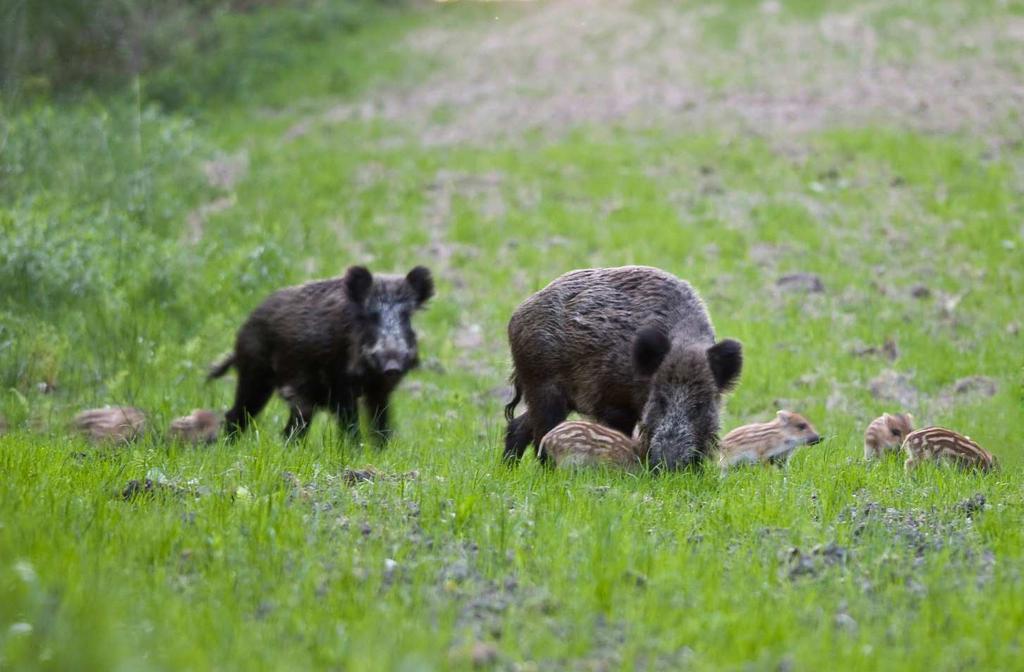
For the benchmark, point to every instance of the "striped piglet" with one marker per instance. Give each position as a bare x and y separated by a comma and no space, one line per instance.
944,445
774,441
886,434
577,443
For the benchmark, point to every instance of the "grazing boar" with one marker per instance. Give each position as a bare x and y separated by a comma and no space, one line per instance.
943,445
773,442
886,434
325,344
587,444
622,346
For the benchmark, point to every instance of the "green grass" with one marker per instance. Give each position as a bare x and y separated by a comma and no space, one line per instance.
104,299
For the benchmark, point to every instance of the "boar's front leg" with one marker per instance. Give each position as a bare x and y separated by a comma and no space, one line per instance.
298,424
303,395
299,419
621,420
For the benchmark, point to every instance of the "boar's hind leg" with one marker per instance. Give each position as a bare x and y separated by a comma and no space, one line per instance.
548,407
517,437
252,394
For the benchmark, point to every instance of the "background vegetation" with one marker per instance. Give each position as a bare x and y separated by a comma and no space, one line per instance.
189,54
154,187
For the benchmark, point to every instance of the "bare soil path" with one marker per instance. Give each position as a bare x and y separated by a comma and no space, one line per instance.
551,67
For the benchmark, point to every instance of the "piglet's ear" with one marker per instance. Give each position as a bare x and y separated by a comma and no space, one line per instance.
649,350
783,416
358,281
726,360
422,283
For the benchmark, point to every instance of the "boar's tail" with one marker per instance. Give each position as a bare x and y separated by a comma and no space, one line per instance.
221,367
510,407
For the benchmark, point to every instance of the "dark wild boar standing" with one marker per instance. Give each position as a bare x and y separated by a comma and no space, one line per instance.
621,345
324,344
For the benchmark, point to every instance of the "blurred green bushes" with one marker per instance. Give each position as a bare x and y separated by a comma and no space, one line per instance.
100,177
92,205
188,53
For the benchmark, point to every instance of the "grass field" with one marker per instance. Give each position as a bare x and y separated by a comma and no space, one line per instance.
876,146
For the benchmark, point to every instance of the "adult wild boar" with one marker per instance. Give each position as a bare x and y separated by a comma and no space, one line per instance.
621,345
324,344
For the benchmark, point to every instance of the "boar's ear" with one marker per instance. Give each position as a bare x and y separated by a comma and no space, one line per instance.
649,350
358,281
422,283
726,360
783,417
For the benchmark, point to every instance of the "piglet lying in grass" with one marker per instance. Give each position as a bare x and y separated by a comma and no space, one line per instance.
124,424
113,424
200,426
577,444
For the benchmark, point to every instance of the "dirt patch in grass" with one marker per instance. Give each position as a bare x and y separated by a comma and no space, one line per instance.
898,541
148,488
225,171
894,386
565,64
158,483
889,350
372,475
198,218
919,530
798,563
807,283
972,386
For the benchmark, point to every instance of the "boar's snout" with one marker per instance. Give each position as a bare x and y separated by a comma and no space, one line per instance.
393,360
675,440
391,364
